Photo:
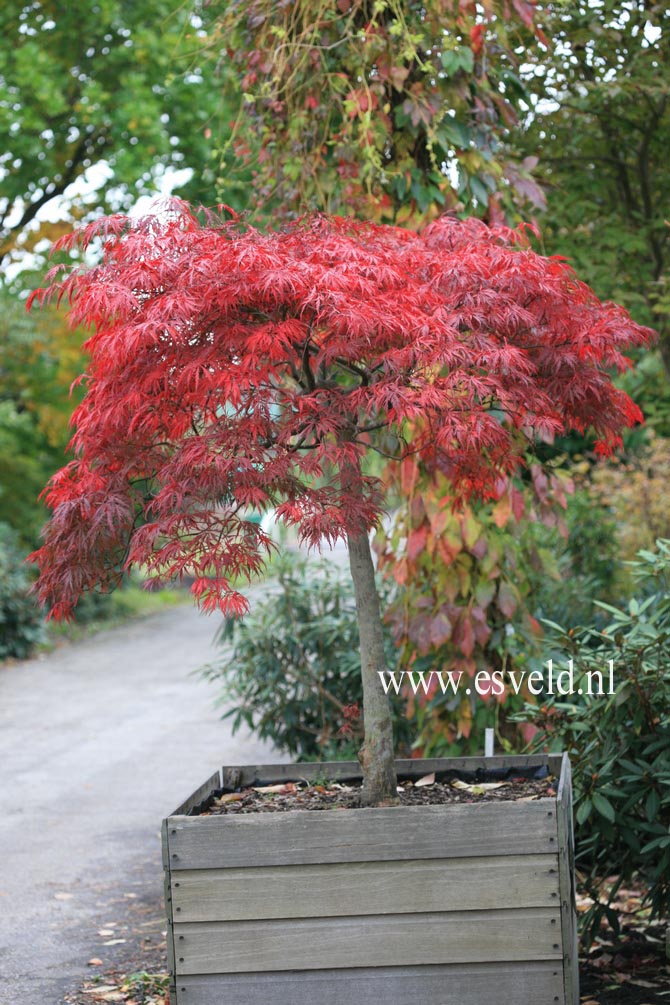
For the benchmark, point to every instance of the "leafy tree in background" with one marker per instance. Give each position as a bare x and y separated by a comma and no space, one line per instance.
601,129
390,110
232,369
21,625
118,86
39,359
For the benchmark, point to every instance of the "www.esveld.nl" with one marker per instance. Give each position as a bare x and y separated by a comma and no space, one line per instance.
486,683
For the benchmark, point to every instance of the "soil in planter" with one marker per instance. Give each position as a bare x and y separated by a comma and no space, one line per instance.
426,791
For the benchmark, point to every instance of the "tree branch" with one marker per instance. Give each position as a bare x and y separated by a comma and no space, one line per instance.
645,188
359,371
51,192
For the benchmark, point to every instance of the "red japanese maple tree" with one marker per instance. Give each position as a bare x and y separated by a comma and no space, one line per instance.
232,369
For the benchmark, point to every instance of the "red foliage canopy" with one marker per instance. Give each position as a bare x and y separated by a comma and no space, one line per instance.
234,369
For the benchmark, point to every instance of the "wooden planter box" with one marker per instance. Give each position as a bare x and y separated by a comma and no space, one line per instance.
467,904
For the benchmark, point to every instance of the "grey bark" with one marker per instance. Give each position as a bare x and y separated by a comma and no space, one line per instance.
376,754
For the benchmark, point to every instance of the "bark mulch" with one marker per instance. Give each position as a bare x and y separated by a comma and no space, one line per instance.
426,791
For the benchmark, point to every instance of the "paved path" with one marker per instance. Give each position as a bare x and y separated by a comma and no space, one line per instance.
98,741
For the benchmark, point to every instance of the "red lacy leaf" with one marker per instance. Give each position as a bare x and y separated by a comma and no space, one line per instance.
232,370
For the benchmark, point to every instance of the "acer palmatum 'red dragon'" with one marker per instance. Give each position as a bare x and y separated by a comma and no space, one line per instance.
232,369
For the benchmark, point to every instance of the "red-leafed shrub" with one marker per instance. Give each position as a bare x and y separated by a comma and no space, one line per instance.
232,369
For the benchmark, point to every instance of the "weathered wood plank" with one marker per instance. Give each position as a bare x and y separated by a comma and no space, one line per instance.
253,774
165,851
516,984
361,888
165,844
363,835
405,940
566,872
200,795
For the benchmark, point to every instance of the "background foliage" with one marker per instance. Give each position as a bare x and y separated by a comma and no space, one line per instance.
20,623
620,746
601,128
394,111
113,92
291,669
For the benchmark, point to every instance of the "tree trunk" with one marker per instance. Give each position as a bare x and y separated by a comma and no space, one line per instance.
376,754
664,347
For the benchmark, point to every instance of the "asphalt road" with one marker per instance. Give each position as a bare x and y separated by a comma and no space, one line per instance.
98,741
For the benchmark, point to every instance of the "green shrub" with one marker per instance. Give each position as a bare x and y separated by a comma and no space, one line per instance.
291,668
568,576
94,607
620,745
21,623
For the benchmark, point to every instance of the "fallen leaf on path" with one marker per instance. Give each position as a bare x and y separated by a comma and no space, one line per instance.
95,962
229,797
114,942
105,932
63,896
101,989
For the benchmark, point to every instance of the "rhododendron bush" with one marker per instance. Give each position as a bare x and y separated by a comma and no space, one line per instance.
232,369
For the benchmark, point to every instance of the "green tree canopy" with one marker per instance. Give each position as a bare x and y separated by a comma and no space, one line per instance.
115,82
39,359
601,130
